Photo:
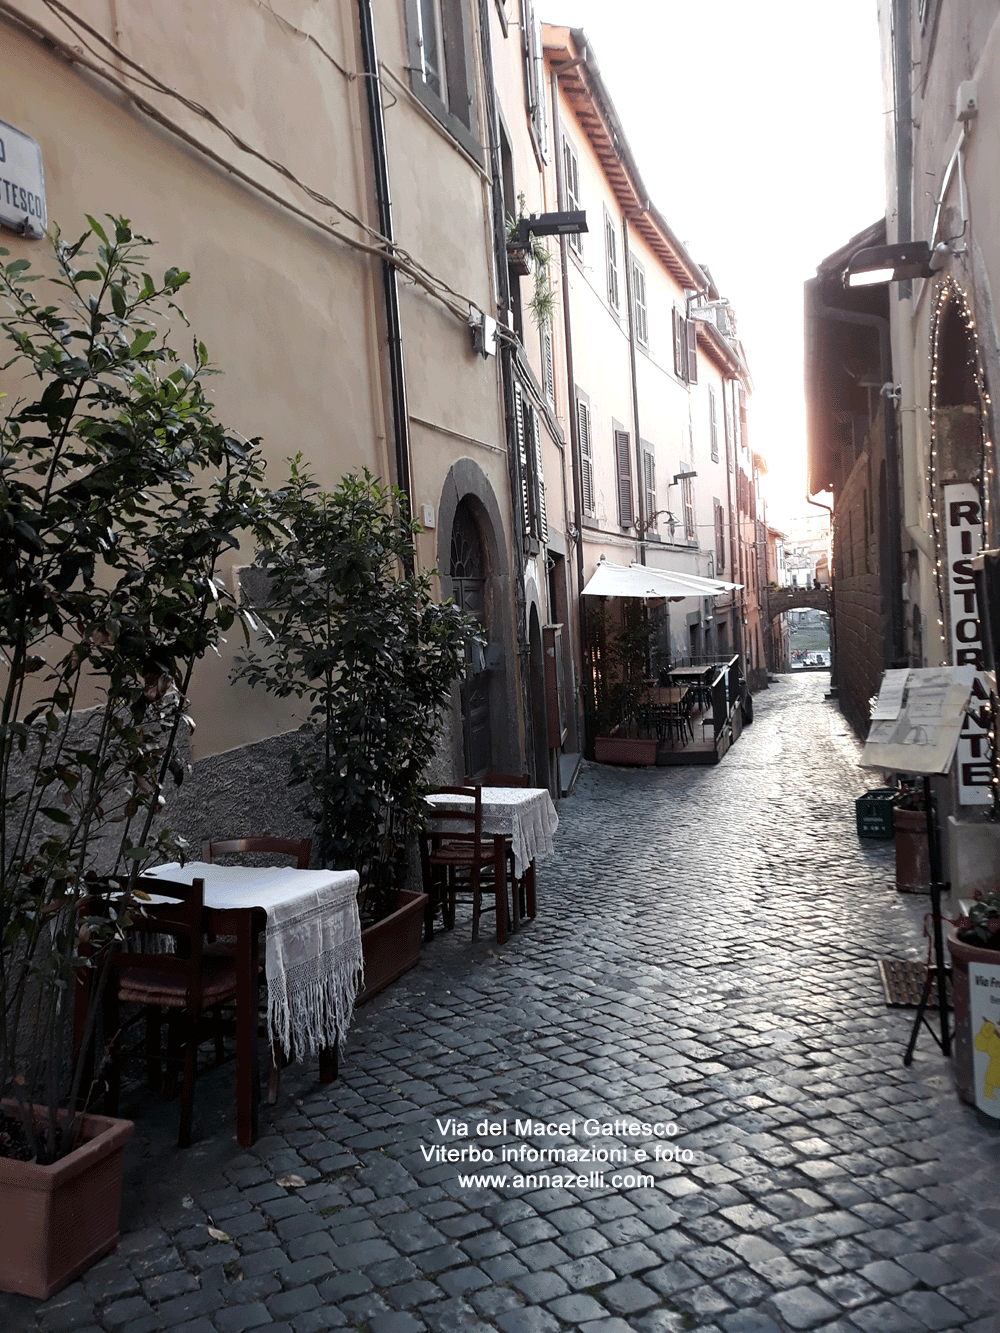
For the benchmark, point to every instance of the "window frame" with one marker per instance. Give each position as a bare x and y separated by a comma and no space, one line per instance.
611,263
571,189
456,40
622,440
713,423
640,307
649,486
687,499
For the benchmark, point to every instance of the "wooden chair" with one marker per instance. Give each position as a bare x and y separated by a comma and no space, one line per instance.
187,984
456,858
300,849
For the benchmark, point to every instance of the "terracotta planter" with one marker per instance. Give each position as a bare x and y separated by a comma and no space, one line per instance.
637,753
55,1221
913,858
392,947
962,955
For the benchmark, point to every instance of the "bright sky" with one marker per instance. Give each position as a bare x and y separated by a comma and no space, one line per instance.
759,131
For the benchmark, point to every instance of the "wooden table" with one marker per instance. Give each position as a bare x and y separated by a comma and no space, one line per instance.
236,901
525,815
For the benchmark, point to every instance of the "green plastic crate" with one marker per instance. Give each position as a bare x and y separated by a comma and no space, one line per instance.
874,814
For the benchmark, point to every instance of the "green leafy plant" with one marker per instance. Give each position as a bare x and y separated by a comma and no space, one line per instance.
118,492
358,635
543,299
619,654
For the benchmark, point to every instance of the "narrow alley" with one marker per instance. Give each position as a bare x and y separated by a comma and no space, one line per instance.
704,957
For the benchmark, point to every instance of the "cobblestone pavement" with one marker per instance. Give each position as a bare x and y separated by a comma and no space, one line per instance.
705,955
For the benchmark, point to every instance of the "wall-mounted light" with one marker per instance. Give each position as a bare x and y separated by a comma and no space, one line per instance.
895,263
552,224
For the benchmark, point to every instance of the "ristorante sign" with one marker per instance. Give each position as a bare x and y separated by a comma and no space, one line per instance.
963,522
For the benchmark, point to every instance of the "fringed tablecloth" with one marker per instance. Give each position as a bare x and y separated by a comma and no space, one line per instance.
526,815
312,943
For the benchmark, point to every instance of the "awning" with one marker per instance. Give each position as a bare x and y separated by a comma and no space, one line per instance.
644,581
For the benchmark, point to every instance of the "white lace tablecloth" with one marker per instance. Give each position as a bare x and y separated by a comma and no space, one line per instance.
526,815
312,943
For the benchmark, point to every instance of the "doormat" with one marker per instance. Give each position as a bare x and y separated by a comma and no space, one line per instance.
903,983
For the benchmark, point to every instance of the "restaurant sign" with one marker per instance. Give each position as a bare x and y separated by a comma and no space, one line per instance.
963,540
22,183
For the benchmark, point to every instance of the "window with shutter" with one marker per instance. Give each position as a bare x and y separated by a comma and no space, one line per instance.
713,424
441,66
690,530
720,537
623,457
586,454
680,345
548,364
639,316
649,486
571,185
540,516
534,77
743,416
521,411
611,253
691,332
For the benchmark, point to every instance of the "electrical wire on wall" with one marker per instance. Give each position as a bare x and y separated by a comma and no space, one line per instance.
91,57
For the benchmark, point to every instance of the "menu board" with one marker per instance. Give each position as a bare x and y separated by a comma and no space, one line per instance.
917,720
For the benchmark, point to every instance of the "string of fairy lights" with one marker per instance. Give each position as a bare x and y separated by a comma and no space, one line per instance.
950,294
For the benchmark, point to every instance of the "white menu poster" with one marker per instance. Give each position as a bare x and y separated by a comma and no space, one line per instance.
984,1015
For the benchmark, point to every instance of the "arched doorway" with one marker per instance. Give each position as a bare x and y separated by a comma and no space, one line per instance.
468,590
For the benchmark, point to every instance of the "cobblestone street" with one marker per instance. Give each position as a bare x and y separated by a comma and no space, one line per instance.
705,955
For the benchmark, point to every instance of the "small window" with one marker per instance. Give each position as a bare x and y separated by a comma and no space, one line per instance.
534,78
571,185
639,317
623,462
713,424
586,452
441,67
611,253
533,511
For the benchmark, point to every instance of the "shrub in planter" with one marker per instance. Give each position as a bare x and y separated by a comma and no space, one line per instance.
118,491
357,635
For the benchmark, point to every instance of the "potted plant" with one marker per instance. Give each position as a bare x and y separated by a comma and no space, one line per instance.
526,256
620,657
117,492
357,635
974,946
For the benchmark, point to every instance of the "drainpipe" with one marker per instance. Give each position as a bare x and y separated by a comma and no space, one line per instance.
571,412
644,518
390,285
515,479
881,327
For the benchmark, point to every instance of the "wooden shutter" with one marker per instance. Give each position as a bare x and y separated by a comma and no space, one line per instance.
548,364
522,458
611,246
649,483
586,456
743,416
623,456
713,424
538,496
680,346
639,304
691,331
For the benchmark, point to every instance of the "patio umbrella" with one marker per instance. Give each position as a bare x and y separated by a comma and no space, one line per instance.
637,580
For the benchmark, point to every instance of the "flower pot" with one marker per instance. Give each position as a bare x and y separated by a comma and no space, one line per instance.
639,752
519,259
976,1003
55,1221
913,858
392,946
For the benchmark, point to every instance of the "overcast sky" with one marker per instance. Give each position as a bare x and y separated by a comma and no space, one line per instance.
759,131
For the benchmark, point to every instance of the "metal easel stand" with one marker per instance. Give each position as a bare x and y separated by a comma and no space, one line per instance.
938,971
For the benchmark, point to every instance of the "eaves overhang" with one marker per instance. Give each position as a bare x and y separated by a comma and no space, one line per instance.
568,52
